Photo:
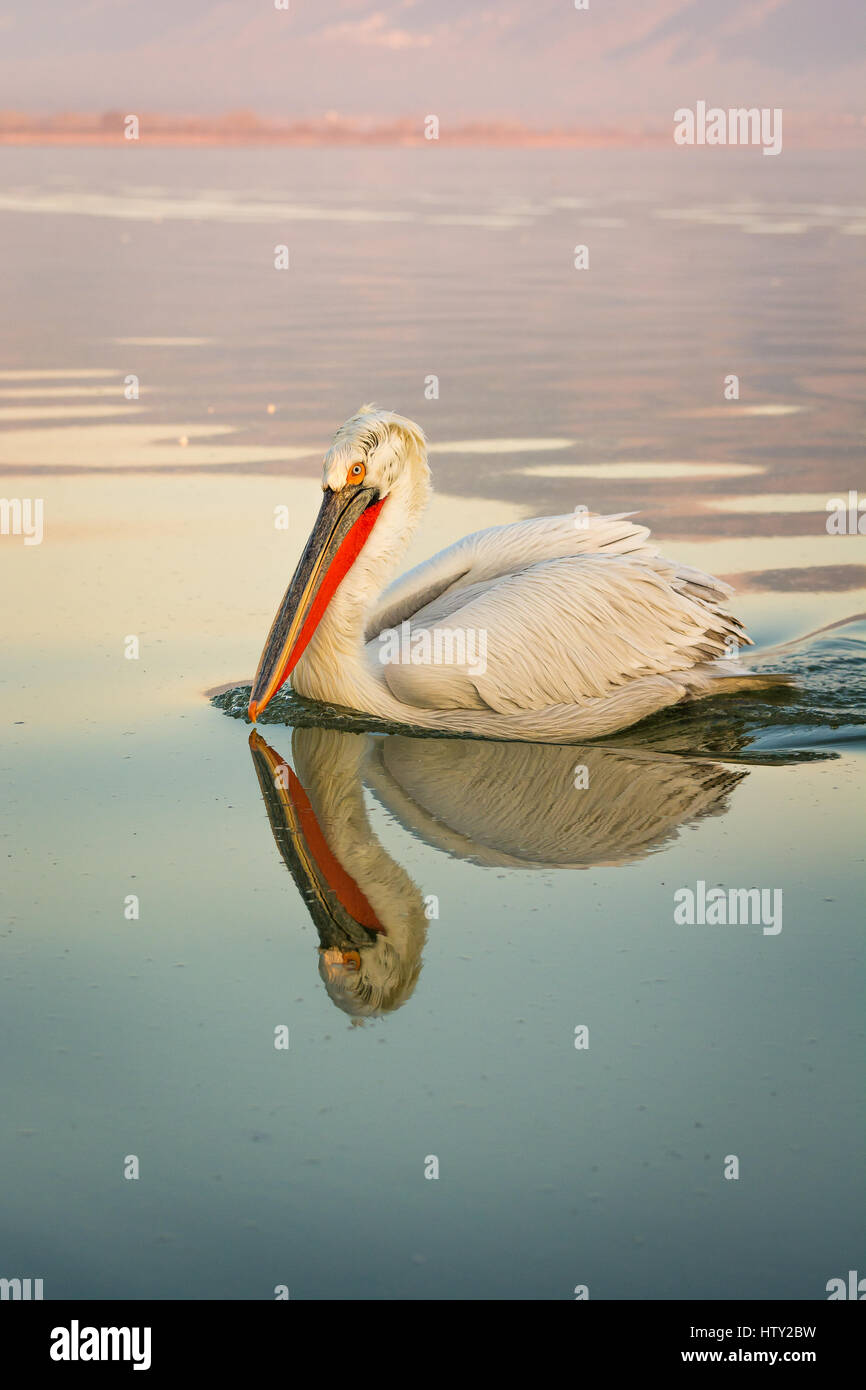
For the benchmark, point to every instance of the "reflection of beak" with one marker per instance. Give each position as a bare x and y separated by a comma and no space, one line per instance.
344,522
343,916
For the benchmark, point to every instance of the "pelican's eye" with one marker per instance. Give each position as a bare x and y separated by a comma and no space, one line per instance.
357,473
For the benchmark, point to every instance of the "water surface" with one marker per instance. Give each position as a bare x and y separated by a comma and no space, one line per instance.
495,905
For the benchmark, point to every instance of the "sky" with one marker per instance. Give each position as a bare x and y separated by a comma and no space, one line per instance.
535,61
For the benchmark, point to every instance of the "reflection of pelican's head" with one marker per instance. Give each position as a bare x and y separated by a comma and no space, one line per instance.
368,913
376,980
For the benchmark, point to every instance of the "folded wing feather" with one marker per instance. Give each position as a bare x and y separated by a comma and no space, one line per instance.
559,628
502,550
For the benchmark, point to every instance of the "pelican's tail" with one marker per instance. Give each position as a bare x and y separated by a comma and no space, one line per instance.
720,677
728,677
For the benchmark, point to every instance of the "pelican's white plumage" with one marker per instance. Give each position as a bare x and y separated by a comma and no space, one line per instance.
587,627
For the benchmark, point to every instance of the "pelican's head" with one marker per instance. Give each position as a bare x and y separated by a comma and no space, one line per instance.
382,443
376,455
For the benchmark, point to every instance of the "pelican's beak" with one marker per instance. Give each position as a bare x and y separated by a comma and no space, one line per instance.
344,522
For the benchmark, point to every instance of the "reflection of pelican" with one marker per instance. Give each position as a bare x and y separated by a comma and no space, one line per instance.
516,805
556,629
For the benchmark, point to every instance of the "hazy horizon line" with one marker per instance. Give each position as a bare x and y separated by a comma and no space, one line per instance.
246,127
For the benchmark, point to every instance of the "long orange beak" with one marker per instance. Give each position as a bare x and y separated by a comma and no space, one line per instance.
345,520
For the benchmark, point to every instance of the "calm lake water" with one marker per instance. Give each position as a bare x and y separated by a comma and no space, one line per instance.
497,905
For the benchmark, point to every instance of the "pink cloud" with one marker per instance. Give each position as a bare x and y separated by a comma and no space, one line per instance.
374,31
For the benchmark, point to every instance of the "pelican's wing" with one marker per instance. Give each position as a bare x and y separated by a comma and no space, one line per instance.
502,550
561,632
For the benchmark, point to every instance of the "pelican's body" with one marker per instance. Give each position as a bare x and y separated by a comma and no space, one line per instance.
551,630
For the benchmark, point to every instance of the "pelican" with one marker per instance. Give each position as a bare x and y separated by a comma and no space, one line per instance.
549,630
508,806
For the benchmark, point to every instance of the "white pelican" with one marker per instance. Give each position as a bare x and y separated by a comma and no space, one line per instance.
585,628
497,804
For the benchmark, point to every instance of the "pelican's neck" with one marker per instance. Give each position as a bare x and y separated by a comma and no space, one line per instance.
334,667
